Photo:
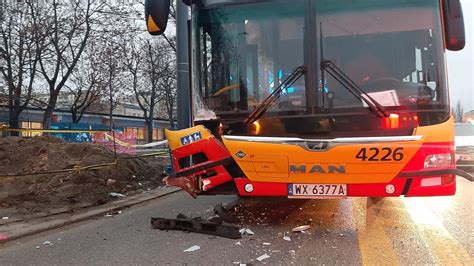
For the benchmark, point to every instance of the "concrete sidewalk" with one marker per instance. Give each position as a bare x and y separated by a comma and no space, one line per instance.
21,228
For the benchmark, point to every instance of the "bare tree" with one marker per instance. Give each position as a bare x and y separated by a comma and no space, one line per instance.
168,94
110,63
87,86
19,56
65,28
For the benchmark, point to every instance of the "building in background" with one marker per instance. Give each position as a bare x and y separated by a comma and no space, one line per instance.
128,117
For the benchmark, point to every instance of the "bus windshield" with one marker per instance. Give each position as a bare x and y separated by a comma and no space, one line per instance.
391,49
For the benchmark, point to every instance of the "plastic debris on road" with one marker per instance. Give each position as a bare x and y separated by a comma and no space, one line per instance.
112,213
47,243
266,244
5,218
263,257
193,248
300,228
238,243
286,238
246,231
117,195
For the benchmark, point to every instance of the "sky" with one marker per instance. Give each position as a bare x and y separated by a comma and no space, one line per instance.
461,64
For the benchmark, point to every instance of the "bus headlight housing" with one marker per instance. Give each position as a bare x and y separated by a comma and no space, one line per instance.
438,160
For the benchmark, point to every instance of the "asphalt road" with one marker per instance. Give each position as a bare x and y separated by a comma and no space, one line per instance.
350,231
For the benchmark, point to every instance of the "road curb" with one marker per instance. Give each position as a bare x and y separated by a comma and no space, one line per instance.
21,229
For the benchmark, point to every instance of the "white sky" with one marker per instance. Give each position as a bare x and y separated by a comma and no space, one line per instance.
461,64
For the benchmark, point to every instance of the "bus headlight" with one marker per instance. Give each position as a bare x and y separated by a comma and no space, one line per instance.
438,160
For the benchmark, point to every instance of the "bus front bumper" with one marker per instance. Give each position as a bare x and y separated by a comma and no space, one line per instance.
428,183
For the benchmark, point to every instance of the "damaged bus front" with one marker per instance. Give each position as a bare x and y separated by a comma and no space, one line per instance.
318,98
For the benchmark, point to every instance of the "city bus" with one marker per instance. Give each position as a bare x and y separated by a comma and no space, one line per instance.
317,98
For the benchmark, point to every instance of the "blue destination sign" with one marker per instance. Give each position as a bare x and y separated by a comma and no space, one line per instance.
191,138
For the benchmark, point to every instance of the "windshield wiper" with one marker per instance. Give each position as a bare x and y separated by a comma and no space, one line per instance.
270,99
341,77
331,68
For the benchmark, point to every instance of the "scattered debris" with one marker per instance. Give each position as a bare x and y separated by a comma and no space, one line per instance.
246,231
249,232
112,213
196,225
37,247
215,219
238,243
224,214
5,218
263,257
286,238
193,248
266,244
116,195
341,234
300,228
47,243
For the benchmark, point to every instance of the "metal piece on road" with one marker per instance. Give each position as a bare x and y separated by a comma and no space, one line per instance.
196,225
187,183
453,171
224,214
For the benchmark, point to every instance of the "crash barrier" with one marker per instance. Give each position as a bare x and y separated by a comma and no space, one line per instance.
114,143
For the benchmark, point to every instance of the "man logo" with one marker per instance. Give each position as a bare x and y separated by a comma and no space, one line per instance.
318,169
240,154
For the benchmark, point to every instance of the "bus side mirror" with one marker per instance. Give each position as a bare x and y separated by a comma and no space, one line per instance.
156,15
453,25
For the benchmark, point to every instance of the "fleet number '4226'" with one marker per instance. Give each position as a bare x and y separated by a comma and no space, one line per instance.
380,154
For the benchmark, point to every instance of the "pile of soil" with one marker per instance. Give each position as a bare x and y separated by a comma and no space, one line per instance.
40,193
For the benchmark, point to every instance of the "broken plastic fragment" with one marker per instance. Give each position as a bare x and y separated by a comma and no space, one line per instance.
47,243
115,194
5,218
263,257
238,243
246,231
266,244
287,238
300,228
193,248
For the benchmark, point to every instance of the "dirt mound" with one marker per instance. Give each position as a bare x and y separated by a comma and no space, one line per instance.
33,193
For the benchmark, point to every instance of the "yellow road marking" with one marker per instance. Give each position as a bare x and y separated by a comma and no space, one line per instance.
374,244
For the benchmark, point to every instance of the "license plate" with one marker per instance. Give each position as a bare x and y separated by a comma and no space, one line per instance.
316,190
